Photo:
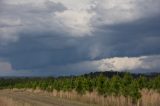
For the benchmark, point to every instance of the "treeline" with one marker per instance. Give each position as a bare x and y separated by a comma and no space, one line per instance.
125,84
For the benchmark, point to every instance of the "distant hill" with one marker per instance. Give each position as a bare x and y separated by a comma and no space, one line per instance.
110,74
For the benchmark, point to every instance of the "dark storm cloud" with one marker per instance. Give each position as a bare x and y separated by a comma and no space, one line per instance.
137,38
131,39
27,17
42,51
42,42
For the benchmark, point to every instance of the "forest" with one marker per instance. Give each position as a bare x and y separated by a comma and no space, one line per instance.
125,84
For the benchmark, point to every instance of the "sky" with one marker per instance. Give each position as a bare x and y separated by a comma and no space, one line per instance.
68,37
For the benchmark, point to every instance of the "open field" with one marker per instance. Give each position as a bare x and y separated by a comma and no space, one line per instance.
118,90
19,98
30,97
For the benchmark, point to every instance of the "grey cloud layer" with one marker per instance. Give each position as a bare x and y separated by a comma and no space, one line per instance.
16,19
39,37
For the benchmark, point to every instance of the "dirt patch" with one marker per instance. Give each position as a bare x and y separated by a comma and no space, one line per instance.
21,98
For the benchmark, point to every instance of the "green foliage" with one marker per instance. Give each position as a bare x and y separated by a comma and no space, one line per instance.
142,82
125,85
101,84
80,85
134,91
115,85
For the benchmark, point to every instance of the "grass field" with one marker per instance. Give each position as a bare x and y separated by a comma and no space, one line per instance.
26,98
40,98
